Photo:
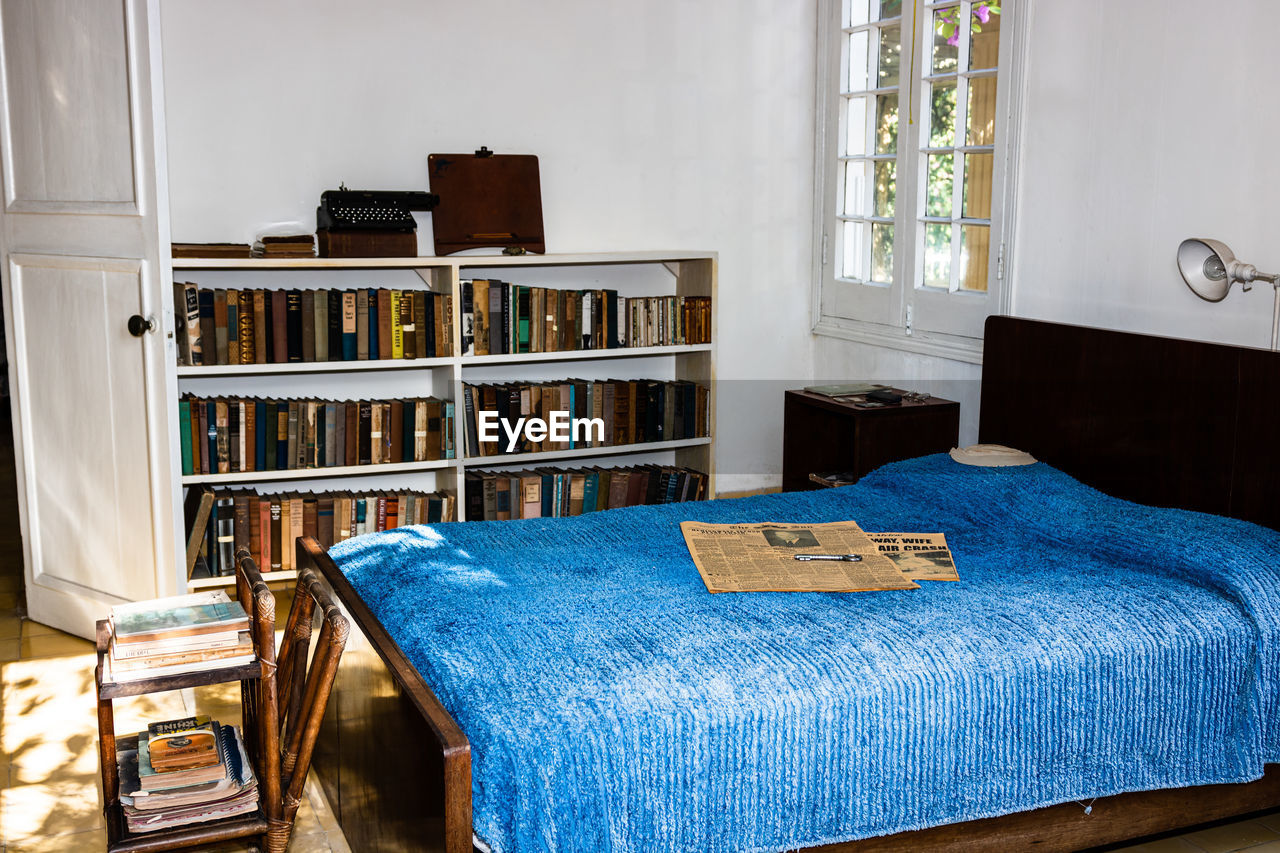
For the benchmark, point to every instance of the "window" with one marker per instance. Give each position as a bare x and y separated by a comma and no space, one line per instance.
913,113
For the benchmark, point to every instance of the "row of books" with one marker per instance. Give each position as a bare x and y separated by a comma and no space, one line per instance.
221,435
630,411
173,636
217,326
561,492
183,772
503,318
268,525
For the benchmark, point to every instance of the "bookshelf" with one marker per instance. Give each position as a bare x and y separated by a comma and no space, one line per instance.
632,274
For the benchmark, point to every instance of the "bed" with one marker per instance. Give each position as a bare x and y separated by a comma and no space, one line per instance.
1105,670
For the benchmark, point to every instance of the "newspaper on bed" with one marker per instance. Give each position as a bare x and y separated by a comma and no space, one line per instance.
920,556
763,558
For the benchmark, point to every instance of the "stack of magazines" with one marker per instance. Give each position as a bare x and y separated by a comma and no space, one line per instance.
174,636
185,771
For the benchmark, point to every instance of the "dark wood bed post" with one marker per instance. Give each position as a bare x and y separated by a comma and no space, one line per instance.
394,764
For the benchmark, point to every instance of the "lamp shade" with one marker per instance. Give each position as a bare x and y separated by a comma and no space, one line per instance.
1204,265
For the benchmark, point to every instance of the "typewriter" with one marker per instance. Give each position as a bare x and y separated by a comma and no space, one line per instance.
371,210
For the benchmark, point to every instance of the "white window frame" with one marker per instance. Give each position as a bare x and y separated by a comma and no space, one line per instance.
906,316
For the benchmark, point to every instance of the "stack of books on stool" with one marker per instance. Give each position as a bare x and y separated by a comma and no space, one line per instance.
174,636
185,771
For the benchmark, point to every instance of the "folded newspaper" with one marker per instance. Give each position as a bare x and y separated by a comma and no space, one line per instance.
833,557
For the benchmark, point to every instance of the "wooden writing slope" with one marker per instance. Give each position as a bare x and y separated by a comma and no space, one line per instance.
486,200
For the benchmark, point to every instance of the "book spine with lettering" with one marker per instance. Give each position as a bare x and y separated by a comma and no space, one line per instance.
468,319
233,327
350,337
424,338
395,323
187,304
408,326
293,325
208,327
336,325
480,310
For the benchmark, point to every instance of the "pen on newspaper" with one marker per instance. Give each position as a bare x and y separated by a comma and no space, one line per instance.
847,558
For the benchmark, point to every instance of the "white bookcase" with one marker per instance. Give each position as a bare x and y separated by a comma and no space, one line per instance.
632,274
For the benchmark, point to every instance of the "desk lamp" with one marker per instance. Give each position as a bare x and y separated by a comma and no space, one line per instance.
1209,268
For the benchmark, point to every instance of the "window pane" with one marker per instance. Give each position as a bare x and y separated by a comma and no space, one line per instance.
890,9
858,60
941,178
890,56
946,54
855,113
937,255
886,186
977,186
942,115
855,188
984,46
975,244
887,124
854,250
882,252
982,111
855,12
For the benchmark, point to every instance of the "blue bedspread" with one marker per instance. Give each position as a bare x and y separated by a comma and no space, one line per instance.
1093,646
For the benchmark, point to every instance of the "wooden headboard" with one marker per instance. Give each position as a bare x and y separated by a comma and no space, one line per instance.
1161,421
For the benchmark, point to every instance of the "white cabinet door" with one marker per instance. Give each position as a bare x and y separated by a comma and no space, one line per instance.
81,232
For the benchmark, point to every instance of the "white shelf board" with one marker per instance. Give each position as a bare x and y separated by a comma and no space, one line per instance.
317,473
230,580
459,261
581,453
581,355
313,367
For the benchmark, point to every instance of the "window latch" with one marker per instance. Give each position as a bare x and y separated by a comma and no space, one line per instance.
908,319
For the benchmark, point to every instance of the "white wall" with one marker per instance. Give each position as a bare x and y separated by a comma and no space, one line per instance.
659,125
1144,122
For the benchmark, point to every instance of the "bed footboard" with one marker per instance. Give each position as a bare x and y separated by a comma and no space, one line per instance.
395,766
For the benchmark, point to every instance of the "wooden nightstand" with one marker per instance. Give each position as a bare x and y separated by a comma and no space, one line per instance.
821,434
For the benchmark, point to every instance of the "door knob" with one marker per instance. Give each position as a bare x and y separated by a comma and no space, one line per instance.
139,325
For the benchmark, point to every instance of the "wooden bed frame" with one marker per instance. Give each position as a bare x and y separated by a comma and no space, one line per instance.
1161,421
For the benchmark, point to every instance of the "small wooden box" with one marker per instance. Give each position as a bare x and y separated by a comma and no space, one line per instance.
822,434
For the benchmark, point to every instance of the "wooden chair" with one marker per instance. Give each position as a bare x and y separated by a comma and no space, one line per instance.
285,712
304,680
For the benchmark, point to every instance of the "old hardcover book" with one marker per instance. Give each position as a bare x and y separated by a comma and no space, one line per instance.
408,325
210,250
351,433
324,521
350,332
375,434
247,334
397,328
395,433
384,325
179,616
433,442
468,318
365,433
320,324
423,339
480,306
233,327
277,538
336,325
220,325
497,318
374,340
258,311
293,325
186,303
279,326
362,324
308,325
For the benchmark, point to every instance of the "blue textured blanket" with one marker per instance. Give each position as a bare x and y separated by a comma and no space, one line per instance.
1093,646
